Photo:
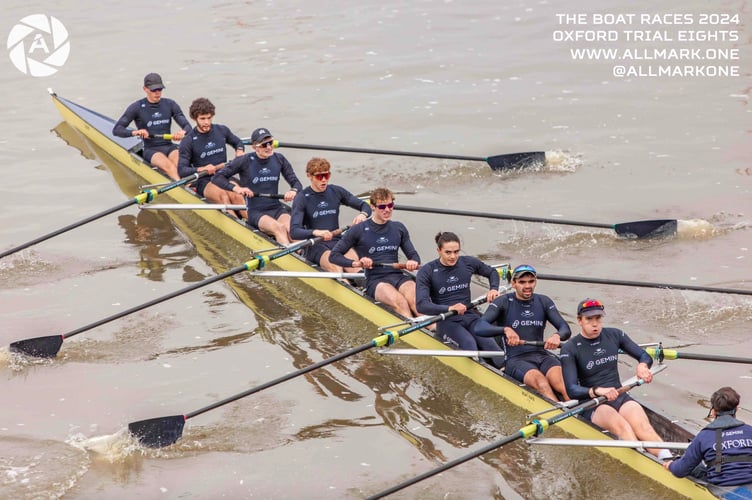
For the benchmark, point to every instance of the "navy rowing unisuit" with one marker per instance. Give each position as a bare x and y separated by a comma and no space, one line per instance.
440,286
154,117
590,363
260,176
526,317
320,210
198,150
379,242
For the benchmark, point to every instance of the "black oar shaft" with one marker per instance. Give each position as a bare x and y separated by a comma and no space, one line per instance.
386,338
487,215
67,228
159,432
282,379
345,149
535,428
156,301
143,197
643,284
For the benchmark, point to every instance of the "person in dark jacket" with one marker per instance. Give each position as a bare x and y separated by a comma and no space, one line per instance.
733,465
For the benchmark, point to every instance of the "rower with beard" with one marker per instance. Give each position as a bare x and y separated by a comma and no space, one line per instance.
259,173
443,285
204,150
521,316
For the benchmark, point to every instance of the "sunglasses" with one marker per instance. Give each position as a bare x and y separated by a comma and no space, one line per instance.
322,176
267,144
157,90
384,206
592,303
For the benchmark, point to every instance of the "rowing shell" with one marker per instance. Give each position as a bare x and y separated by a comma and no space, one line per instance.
97,128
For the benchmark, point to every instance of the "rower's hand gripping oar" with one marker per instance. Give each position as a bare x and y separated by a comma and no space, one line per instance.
637,229
143,197
48,347
164,431
534,428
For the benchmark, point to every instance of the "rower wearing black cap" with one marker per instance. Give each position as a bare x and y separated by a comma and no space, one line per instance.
260,174
153,116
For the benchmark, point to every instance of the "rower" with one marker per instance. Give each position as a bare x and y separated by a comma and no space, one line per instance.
378,241
153,117
260,173
590,364
203,150
315,213
520,317
444,285
731,467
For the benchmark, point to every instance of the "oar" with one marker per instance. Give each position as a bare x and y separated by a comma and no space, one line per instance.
636,229
498,162
307,274
48,347
644,284
164,431
534,428
657,352
609,443
393,265
143,197
451,352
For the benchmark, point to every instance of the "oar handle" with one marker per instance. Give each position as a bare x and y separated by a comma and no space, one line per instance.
393,265
276,196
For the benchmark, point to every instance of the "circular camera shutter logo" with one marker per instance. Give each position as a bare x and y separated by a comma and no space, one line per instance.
38,45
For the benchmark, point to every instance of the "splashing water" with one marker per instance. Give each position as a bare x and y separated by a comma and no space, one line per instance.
562,161
694,228
114,447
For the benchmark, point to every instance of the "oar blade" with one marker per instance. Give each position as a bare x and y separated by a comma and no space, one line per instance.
39,347
515,161
158,432
664,228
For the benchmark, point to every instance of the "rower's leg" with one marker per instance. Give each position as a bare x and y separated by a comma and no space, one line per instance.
391,297
407,290
607,417
166,165
556,381
326,265
634,413
539,382
272,226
